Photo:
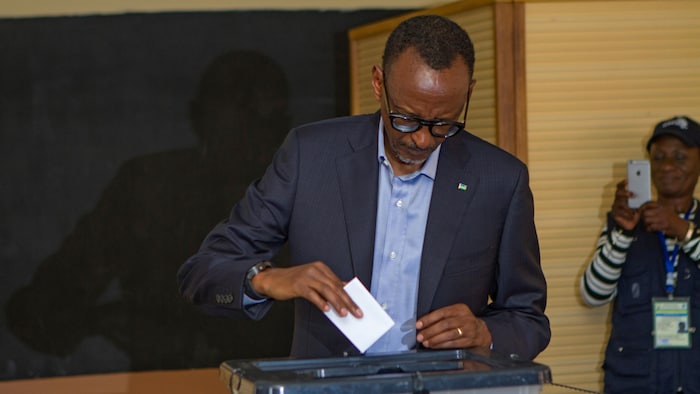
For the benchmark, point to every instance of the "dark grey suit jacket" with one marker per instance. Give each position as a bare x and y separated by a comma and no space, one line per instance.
320,195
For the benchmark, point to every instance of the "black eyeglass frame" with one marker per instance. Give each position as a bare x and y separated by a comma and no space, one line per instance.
455,127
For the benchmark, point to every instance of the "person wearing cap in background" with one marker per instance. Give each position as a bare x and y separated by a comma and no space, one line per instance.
647,262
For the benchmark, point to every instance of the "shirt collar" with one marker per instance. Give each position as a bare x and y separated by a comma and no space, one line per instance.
429,168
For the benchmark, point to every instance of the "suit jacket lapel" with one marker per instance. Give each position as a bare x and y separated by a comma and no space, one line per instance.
453,189
358,178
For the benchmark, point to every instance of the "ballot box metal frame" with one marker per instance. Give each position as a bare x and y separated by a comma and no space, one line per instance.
428,371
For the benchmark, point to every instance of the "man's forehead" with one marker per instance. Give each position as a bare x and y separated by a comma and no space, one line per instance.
410,59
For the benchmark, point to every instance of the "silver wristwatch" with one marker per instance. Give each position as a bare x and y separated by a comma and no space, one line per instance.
254,270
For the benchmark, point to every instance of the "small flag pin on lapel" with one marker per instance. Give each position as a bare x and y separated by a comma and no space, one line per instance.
462,186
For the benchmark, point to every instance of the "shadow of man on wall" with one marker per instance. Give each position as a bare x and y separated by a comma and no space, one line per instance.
114,276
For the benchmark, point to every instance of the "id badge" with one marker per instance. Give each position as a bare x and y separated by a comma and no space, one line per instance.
671,323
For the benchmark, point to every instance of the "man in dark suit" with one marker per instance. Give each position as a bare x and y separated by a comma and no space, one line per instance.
436,222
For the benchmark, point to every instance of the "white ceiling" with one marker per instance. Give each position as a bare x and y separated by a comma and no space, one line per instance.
33,8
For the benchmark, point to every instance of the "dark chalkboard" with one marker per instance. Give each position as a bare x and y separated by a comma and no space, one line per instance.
123,140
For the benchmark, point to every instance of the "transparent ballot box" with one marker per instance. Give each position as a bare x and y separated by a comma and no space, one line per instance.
445,371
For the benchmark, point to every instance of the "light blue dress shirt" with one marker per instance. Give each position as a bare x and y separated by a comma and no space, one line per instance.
402,213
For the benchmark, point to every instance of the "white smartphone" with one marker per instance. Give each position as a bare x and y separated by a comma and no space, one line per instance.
638,182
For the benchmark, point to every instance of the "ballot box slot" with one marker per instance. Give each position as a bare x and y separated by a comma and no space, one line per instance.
385,368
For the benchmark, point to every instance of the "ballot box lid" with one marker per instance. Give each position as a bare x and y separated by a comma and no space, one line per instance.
425,371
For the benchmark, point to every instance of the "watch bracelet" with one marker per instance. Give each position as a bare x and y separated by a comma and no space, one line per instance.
248,285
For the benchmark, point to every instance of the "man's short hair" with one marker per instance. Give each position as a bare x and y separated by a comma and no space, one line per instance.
437,40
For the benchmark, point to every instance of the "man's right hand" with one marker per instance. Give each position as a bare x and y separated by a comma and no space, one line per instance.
314,282
625,217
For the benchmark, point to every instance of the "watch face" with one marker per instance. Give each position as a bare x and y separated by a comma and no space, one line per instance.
254,270
257,268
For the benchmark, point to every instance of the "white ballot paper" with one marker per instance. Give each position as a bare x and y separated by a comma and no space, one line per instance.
373,324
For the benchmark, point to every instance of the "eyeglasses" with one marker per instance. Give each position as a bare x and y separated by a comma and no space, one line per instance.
440,128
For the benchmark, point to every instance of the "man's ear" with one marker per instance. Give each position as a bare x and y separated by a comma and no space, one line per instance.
377,82
471,89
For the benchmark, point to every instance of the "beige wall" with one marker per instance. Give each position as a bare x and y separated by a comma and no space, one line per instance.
24,8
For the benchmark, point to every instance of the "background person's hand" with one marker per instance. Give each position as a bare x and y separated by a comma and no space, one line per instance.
657,217
453,326
314,282
625,217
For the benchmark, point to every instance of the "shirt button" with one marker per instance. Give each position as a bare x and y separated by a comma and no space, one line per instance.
399,203
385,306
392,255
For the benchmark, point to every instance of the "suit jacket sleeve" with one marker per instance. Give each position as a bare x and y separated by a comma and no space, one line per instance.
256,229
516,316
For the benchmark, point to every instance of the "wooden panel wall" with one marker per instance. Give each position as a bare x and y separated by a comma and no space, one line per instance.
599,76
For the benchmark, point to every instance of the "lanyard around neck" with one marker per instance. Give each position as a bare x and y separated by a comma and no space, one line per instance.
670,260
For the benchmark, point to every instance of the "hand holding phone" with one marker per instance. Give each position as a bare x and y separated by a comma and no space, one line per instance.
638,182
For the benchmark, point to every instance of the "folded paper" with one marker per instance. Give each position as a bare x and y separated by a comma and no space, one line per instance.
374,323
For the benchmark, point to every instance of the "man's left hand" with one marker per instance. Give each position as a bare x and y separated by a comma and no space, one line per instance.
453,326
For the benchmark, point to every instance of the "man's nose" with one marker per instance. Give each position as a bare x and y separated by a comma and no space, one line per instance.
422,137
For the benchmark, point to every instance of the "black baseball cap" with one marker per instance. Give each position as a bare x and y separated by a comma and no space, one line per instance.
682,127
